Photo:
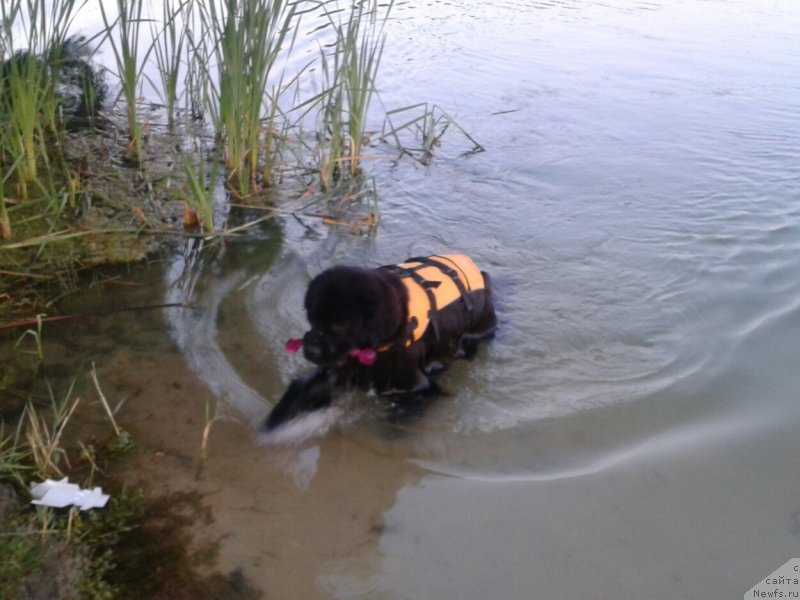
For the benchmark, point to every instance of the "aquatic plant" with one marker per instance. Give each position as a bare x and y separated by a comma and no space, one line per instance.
243,40
28,78
232,82
330,138
5,219
23,86
202,174
360,41
246,122
428,124
349,69
168,49
130,60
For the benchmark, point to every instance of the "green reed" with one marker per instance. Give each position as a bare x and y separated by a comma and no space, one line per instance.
22,133
168,46
130,60
5,219
202,174
201,163
360,41
428,123
28,101
243,40
331,142
230,53
349,69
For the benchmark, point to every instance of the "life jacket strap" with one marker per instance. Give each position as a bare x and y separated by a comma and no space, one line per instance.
426,285
458,277
432,283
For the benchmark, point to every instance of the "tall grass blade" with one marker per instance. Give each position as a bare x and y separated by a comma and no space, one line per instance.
202,183
246,38
130,61
44,435
429,126
168,49
350,70
30,76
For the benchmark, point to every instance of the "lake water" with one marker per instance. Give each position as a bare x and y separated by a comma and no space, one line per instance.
632,432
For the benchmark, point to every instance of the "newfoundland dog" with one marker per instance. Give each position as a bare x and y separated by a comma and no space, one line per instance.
387,329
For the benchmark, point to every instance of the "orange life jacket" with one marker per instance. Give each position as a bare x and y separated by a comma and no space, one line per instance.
434,282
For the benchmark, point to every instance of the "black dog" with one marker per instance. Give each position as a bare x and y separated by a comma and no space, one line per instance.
386,329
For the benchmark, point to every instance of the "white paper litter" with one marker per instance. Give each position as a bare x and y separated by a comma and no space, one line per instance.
58,494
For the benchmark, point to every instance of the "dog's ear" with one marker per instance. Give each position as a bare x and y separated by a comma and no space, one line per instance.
315,297
389,311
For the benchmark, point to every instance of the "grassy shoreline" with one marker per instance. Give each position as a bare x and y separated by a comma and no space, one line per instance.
91,178
140,544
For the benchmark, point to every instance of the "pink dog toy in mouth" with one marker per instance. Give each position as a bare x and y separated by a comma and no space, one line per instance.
366,356
293,345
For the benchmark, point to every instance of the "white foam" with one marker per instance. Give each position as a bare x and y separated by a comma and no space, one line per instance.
307,426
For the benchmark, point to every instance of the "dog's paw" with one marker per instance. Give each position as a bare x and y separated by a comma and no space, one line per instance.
434,368
305,395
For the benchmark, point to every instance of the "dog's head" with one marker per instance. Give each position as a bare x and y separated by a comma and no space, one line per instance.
350,310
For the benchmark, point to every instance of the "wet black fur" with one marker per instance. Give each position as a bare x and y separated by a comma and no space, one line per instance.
350,308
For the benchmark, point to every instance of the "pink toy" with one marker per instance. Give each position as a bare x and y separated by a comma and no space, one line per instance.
366,356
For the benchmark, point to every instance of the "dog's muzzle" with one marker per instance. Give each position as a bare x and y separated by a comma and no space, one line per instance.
366,356
315,348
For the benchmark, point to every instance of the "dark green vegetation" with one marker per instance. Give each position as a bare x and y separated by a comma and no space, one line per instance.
92,174
136,546
262,103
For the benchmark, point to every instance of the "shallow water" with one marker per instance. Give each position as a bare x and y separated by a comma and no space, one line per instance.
631,431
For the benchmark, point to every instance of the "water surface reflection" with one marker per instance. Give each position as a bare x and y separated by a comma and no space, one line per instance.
633,424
